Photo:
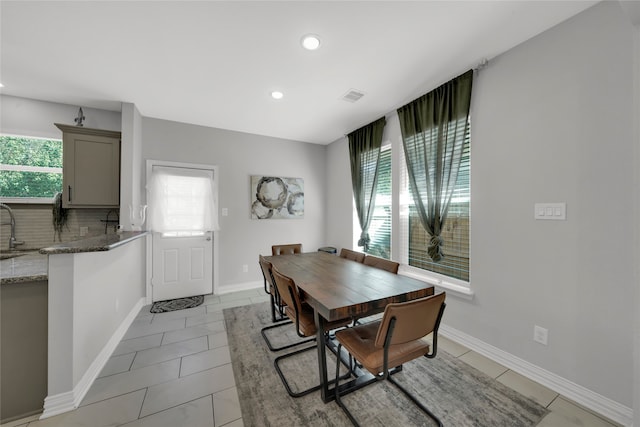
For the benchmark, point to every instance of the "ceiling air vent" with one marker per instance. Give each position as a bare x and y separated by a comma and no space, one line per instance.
352,95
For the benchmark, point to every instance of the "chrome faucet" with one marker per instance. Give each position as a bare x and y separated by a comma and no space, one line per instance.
12,240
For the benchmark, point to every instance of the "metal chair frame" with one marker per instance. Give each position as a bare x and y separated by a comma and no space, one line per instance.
385,372
276,362
281,320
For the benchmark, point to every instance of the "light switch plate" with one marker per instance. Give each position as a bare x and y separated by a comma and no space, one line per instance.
550,211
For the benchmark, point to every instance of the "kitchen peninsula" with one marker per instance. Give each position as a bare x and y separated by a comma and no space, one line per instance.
96,287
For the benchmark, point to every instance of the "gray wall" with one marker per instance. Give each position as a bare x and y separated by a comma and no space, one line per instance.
31,117
551,121
240,155
338,211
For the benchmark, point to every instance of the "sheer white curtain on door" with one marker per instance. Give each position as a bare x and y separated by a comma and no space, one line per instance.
183,202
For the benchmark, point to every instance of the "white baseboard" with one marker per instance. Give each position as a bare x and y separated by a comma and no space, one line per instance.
577,393
57,404
70,400
236,287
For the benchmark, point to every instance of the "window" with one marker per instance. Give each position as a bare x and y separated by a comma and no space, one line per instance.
415,239
182,201
380,227
30,168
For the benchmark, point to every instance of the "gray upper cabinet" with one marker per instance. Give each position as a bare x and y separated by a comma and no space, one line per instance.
90,167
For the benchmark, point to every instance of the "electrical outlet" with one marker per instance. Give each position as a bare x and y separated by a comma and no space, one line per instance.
540,334
84,231
245,268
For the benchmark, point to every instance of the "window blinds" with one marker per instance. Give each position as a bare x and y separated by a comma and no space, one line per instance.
380,228
455,234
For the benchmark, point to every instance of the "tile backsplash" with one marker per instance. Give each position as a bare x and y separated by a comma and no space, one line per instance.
34,225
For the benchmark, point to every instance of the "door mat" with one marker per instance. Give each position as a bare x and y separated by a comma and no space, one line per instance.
176,304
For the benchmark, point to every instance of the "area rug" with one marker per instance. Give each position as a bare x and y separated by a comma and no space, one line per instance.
176,304
457,393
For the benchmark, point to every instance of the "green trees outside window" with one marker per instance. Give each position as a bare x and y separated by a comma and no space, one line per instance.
30,167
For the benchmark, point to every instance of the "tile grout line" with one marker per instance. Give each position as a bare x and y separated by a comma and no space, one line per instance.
132,362
146,391
213,411
176,406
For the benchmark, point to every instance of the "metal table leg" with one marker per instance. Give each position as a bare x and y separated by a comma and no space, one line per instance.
322,359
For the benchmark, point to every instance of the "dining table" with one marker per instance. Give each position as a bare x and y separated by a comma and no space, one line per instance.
338,288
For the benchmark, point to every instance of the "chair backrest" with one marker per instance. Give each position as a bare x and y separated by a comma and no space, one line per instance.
381,263
266,268
352,255
287,289
413,319
289,249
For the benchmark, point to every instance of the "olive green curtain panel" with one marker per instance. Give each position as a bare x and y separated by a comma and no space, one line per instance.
364,150
433,131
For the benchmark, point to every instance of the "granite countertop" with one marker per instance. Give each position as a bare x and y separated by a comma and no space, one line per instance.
27,266
100,243
33,265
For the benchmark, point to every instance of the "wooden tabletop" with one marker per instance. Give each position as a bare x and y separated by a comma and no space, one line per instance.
339,288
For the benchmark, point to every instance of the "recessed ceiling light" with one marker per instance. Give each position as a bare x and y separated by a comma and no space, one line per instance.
310,42
1,85
277,94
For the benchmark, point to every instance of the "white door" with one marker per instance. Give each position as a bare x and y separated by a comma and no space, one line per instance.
182,266
182,212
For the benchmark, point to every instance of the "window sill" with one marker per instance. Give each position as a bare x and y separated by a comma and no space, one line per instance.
27,200
461,290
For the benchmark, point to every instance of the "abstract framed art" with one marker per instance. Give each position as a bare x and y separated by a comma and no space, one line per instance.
276,197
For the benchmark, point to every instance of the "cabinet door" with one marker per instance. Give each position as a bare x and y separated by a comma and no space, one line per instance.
91,171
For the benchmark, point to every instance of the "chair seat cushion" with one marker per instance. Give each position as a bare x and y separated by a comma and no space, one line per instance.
360,342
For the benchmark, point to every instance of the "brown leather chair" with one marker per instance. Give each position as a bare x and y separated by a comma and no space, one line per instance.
352,255
277,306
289,249
301,314
395,339
381,263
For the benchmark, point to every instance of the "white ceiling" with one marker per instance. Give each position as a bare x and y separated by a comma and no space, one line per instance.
214,63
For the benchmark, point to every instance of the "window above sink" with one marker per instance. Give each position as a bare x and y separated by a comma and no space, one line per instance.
31,169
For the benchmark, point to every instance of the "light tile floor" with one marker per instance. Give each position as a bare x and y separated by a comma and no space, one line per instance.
174,369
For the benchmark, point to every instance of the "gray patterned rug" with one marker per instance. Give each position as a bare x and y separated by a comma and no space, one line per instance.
176,304
457,393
